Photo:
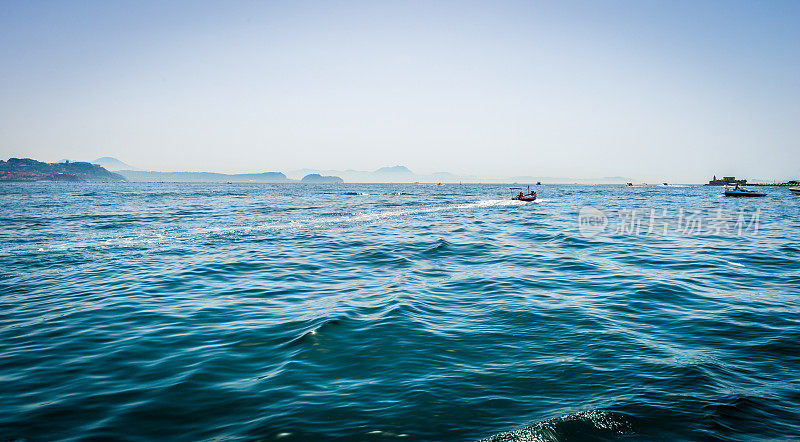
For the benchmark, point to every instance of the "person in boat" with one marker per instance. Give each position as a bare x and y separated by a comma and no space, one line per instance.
520,195
737,187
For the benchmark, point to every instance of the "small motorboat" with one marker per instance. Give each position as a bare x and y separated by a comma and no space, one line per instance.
795,190
530,196
628,184
742,192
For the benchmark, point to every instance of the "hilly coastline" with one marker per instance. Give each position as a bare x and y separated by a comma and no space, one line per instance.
111,169
26,169
30,170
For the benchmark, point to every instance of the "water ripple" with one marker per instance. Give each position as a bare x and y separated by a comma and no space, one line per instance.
380,312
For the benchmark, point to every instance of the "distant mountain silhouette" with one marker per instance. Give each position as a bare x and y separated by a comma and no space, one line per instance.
111,163
202,177
26,169
394,170
317,178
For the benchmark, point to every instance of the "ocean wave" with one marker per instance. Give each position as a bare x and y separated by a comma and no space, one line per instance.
179,311
585,425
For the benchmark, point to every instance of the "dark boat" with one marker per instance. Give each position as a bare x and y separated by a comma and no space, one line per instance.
743,192
527,198
530,196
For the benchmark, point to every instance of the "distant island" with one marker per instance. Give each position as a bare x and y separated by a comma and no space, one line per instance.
317,178
391,174
26,169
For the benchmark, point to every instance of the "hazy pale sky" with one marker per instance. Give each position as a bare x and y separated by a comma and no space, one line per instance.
656,90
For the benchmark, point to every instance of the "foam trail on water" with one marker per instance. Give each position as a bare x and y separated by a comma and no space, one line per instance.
290,225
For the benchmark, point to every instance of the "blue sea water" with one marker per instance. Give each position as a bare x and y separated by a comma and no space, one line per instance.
143,311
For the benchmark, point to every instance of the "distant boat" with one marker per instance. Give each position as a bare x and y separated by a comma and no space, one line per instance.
538,183
665,184
742,192
628,184
795,190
